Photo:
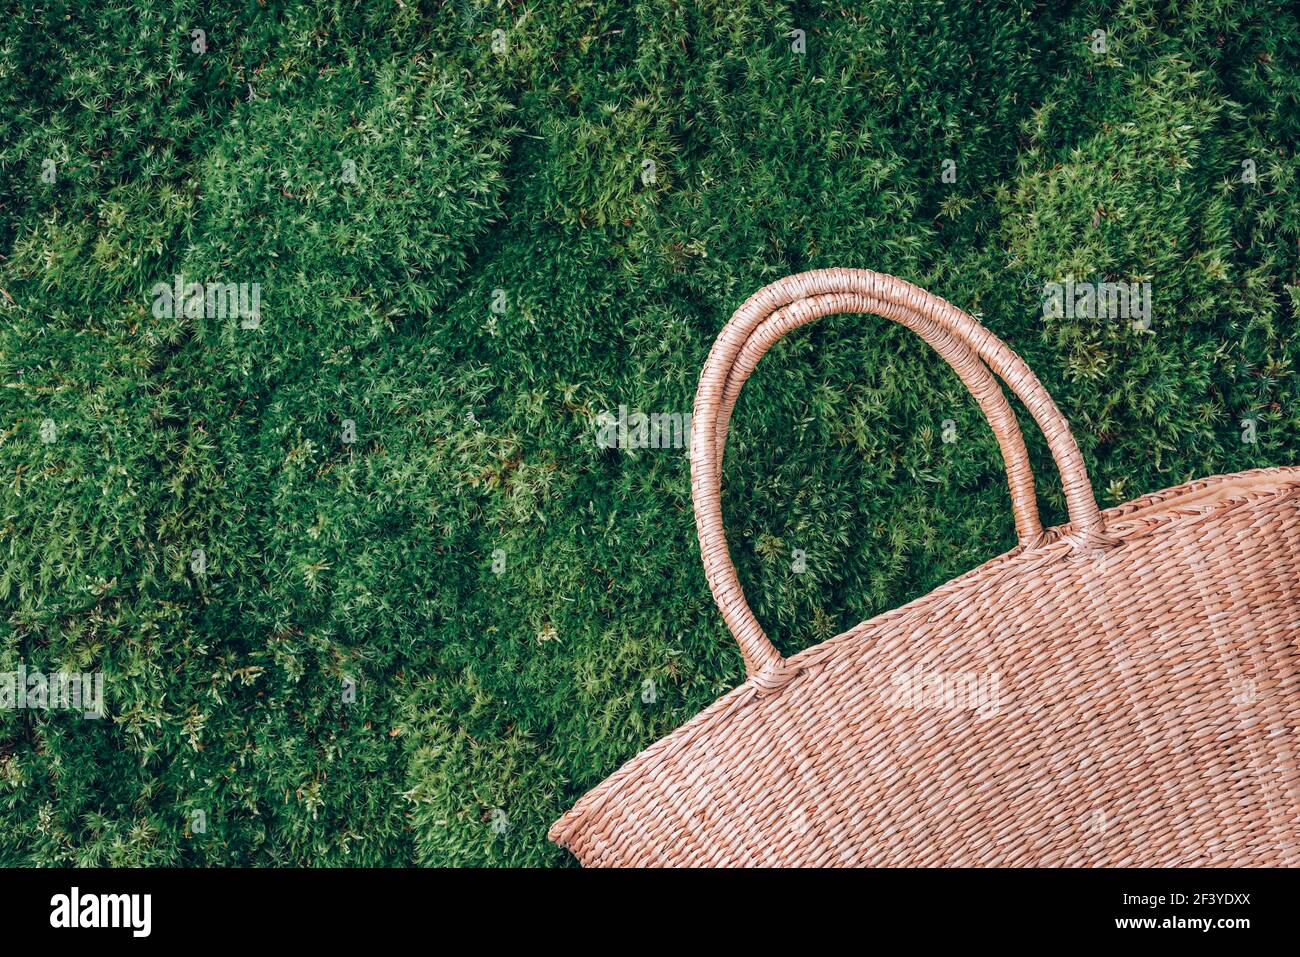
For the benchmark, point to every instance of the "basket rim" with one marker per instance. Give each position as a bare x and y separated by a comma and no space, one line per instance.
1154,513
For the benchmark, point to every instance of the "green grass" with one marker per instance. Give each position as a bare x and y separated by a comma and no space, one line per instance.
503,268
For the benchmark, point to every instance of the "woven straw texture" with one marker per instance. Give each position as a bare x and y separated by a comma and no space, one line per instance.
1121,690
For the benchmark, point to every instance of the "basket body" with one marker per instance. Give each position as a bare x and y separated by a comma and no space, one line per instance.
1139,709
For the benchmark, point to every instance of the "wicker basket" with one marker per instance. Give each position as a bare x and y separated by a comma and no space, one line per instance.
1117,691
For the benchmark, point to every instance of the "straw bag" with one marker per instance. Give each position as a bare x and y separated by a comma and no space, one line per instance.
1117,691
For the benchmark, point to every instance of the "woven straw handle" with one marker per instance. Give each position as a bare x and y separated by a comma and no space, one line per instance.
976,376
963,342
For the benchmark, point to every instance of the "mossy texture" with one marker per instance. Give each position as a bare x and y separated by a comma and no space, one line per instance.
364,587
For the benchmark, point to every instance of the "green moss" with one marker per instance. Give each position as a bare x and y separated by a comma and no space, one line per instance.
363,586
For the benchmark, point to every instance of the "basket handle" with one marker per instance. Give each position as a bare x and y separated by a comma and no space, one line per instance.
788,303
972,372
